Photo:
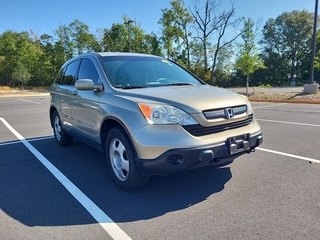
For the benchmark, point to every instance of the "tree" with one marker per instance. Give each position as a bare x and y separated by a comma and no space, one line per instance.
16,48
84,41
21,74
153,43
209,21
286,41
64,46
248,59
117,39
224,67
169,34
175,29
8,49
52,58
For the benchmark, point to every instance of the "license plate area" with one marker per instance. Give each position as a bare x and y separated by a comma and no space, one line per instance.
239,143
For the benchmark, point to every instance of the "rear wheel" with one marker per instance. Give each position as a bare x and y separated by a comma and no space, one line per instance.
121,160
62,138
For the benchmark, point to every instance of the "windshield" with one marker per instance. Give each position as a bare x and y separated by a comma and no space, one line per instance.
129,72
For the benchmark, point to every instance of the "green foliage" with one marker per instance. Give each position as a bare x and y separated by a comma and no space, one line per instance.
211,26
286,42
176,34
83,39
115,39
15,49
248,60
21,74
152,44
194,36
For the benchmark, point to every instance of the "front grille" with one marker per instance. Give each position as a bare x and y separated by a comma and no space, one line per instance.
197,130
220,113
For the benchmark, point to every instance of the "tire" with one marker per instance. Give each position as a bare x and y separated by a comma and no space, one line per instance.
61,137
121,161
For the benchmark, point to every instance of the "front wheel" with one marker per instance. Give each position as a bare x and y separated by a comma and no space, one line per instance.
121,160
61,137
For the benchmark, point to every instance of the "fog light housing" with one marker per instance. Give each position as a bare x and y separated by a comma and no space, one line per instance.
175,159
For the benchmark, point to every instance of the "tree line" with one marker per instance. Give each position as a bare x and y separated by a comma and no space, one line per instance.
214,44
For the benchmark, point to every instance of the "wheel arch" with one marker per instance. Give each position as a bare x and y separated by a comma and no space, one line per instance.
107,125
51,111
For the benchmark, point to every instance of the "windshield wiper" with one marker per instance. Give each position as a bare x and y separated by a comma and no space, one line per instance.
133,87
177,84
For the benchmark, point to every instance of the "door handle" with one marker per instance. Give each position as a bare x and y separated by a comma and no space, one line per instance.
75,92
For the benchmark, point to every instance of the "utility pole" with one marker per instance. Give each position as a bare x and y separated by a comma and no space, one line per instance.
129,32
311,86
314,43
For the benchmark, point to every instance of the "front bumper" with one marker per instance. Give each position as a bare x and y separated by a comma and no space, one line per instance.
187,158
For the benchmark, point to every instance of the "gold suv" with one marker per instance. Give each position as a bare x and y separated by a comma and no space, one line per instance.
149,115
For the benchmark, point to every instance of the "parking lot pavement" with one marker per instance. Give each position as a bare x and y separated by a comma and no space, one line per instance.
299,125
52,192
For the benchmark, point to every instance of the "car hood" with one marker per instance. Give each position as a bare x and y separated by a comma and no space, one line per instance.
191,98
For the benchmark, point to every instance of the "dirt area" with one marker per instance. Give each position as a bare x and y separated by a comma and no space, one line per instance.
290,97
22,93
7,91
279,94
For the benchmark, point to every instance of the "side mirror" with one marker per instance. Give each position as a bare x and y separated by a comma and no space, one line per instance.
87,84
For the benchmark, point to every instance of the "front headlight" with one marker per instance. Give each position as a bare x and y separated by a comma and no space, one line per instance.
165,114
249,107
250,111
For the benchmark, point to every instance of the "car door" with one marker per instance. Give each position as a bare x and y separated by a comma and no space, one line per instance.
65,86
86,116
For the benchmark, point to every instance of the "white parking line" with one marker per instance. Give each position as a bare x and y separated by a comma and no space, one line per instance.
105,221
24,100
292,110
312,160
30,140
294,123
6,102
269,106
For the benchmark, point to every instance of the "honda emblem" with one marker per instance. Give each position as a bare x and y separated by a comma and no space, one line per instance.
229,112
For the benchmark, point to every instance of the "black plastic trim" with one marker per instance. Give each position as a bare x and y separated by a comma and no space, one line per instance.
214,155
198,130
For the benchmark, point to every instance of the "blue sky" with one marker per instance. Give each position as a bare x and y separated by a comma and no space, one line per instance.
44,16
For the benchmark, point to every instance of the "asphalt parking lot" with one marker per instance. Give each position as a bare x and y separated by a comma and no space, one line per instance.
52,192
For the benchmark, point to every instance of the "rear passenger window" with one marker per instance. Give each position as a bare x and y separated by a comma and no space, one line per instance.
88,71
70,73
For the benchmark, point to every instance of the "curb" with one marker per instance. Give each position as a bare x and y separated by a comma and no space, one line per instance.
284,101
